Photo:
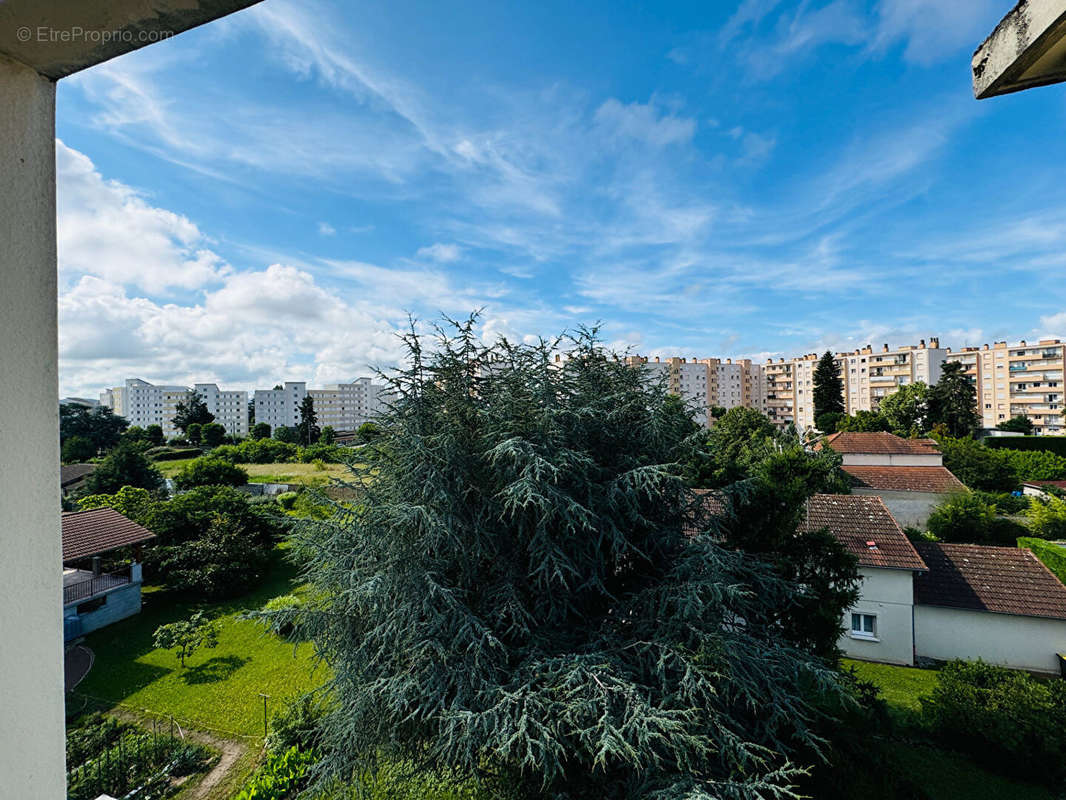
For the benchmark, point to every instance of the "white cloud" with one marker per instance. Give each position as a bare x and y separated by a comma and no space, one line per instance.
643,122
108,229
325,229
441,253
933,30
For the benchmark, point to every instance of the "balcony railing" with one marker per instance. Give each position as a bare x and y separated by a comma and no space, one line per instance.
96,584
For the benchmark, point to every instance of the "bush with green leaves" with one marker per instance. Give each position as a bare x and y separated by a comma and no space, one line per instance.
210,471
258,451
213,434
527,589
977,465
281,777
1053,556
967,518
296,724
281,614
1005,502
1035,465
77,449
1047,518
330,453
1001,717
126,465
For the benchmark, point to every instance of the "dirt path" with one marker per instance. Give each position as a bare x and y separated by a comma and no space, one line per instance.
230,752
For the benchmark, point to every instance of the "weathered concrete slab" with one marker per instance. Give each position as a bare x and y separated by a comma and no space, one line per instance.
59,37
1027,49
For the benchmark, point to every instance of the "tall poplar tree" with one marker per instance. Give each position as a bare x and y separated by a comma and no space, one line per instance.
526,590
828,387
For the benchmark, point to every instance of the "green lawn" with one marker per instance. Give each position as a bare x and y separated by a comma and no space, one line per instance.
948,776
219,688
900,686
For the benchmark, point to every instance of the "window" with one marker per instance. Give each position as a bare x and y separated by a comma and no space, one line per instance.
864,626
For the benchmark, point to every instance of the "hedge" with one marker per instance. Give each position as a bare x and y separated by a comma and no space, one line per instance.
1053,556
1053,444
163,453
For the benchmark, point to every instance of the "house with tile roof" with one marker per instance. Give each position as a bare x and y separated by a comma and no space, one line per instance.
907,474
934,601
93,598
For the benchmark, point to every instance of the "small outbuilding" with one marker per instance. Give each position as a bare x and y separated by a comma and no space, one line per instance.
93,597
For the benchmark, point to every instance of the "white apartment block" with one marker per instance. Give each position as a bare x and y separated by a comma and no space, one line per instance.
1018,380
341,406
144,404
280,407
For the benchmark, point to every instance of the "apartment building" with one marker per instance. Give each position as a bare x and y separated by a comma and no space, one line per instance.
280,406
867,377
706,382
144,403
1022,379
341,406
346,406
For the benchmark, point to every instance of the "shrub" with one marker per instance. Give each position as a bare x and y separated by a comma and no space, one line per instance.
283,433
1001,717
210,471
1047,518
1053,556
295,725
212,434
1005,502
287,499
963,517
978,466
279,615
125,466
257,451
334,454
77,449
194,433
261,430
1052,444
1035,465
282,776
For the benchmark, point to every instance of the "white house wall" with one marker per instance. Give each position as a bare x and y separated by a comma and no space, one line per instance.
892,460
910,509
889,594
1029,643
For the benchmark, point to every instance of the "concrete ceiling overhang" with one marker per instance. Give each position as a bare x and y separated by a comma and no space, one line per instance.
59,37
1027,49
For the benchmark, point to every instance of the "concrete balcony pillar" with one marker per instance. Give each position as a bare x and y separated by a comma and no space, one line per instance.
31,627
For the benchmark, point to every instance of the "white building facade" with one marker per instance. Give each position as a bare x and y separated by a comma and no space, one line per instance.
145,404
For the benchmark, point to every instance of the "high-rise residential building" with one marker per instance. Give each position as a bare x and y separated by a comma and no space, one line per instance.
706,382
1018,380
280,406
346,406
867,378
144,404
342,406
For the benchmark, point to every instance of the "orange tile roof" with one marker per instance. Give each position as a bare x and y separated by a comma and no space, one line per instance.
880,443
865,527
90,533
1003,580
939,480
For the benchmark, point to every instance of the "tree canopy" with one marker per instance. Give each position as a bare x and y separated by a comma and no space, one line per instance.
828,386
98,425
191,410
906,410
1017,424
953,401
126,465
528,589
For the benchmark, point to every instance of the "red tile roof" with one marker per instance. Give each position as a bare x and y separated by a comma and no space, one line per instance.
90,533
939,480
880,443
1042,484
1003,580
865,527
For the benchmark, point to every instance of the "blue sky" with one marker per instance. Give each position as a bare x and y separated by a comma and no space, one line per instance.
265,198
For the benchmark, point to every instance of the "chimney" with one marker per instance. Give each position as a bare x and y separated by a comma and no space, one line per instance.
884,347
934,342
921,344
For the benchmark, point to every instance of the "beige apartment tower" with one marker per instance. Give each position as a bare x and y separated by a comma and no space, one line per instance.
1018,380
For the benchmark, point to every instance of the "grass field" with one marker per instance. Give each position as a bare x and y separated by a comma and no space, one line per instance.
219,688
900,686
306,474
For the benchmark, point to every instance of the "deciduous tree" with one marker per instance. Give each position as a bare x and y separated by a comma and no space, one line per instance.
187,636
